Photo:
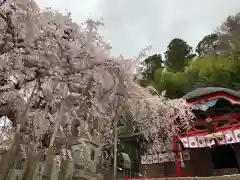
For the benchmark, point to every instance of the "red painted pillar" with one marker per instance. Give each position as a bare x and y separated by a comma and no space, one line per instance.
178,168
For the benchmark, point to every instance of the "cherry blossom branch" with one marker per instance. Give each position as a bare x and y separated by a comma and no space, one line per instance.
3,2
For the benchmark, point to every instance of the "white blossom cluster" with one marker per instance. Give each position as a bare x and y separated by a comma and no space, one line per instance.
47,61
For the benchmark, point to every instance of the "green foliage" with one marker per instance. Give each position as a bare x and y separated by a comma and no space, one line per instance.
207,44
151,64
158,74
178,54
174,84
214,70
210,71
183,72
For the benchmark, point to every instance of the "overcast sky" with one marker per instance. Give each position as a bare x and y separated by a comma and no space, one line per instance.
131,25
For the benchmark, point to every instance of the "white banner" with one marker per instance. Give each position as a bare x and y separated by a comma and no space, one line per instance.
220,138
185,142
193,143
201,141
210,142
149,159
155,158
229,137
161,158
237,134
144,159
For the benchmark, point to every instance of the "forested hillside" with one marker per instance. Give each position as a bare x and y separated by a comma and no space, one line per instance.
214,62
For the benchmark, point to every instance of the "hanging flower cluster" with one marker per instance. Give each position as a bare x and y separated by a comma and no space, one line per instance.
56,76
